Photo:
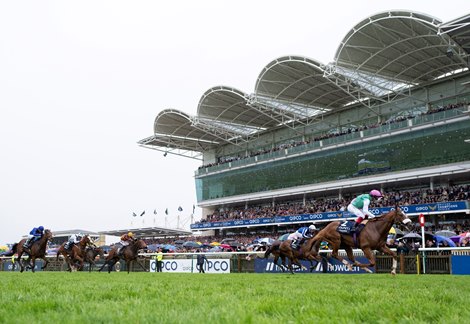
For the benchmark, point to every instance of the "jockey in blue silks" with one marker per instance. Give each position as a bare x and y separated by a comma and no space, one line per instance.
35,234
301,234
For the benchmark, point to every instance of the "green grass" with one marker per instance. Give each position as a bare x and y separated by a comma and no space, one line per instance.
232,298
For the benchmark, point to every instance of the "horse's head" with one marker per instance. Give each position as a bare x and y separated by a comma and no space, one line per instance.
141,245
48,234
100,252
85,240
401,218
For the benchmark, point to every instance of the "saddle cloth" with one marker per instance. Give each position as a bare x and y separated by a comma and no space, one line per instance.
345,227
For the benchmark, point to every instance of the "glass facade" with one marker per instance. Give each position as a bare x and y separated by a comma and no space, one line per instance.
422,148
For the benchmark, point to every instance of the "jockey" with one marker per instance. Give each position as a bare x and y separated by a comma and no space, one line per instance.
360,207
73,239
35,234
301,234
126,239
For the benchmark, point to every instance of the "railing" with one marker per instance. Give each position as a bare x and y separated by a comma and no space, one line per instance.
427,261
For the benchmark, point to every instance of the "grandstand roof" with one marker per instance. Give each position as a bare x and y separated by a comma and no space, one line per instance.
384,54
301,84
148,232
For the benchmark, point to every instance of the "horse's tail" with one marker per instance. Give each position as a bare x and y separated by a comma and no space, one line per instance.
268,252
12,251
271,249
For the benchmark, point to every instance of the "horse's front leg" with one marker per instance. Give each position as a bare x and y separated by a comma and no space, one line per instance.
370,256
46,262
80,262
141,265
385,249
33,264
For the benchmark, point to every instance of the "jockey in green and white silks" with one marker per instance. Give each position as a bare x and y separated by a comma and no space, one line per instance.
360,206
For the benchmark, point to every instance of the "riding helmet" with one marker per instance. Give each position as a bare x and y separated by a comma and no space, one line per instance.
376,193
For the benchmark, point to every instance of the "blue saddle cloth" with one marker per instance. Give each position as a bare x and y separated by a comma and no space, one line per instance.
345,227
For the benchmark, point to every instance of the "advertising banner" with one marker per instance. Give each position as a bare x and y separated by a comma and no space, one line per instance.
411,210
189,265
8,266
331,266
460,264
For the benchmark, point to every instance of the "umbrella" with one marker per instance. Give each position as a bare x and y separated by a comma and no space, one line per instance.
283,237
153,247
178,242
215,244
225,246
411,236
456,238
170,247
191,244
441,239
445,233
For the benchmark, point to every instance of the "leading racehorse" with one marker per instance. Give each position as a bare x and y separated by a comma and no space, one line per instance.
37,251
372,237
129,254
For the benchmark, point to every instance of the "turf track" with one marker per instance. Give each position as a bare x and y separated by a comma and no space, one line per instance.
232,298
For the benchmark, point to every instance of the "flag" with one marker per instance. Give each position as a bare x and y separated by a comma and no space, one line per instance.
134,214
142,214
166,211
180,209
155,212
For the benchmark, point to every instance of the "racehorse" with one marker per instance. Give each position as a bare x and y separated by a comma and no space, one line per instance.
91,254
76,255
372,237
37,251
275,250
303,253
129,254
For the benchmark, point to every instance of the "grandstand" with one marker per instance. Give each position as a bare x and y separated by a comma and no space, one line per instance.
390,112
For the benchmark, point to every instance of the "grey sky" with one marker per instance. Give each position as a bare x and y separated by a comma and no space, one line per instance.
82,82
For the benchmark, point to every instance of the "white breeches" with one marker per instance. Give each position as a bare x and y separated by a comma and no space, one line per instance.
294,236
356,211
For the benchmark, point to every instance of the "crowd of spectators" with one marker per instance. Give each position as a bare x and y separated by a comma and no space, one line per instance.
412,197
345,131
244,241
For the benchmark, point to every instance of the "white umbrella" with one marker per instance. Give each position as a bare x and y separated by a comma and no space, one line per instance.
446,233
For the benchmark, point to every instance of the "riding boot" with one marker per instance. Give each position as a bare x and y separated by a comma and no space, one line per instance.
27,243
354,228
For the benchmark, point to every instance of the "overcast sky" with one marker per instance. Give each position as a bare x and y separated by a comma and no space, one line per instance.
81,82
